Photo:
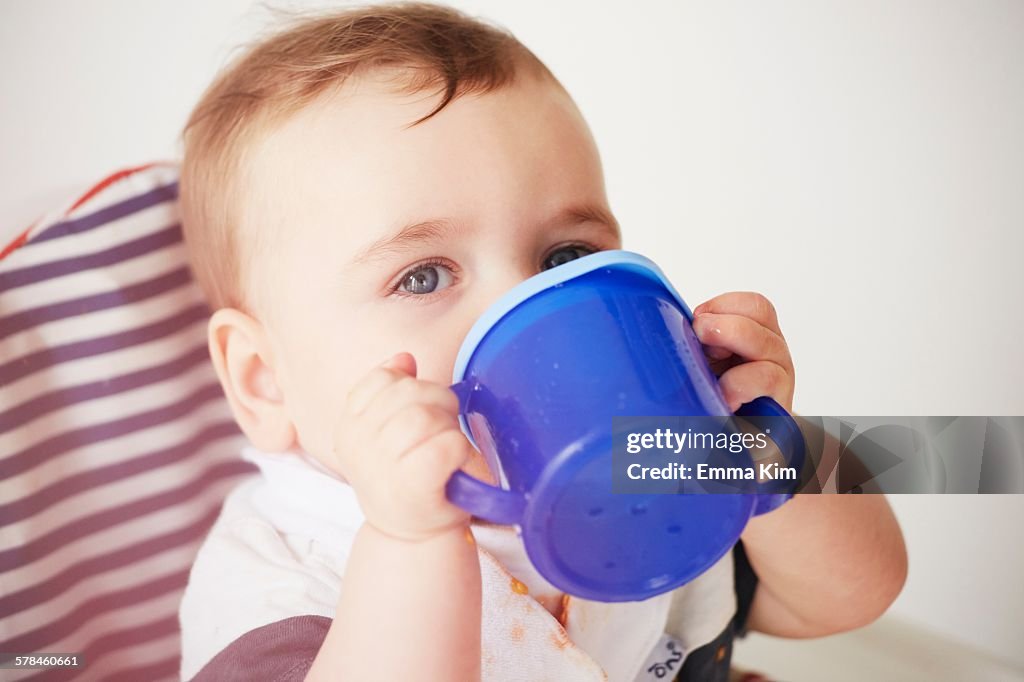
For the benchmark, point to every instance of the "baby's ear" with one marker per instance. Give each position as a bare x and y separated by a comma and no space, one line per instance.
245,366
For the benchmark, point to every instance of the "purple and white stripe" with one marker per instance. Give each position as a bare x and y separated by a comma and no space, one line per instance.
116,444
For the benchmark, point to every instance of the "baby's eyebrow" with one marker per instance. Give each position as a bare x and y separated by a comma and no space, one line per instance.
408,237
588,213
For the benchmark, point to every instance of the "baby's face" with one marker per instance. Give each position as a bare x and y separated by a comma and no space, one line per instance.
376,237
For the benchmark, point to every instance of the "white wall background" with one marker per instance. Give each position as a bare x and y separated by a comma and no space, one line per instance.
861,163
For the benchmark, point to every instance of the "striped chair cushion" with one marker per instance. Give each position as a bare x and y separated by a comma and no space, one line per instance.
116,443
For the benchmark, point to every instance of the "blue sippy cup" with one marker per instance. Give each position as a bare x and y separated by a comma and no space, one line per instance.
539,378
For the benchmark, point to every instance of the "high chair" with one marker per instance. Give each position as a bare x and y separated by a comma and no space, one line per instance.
117,446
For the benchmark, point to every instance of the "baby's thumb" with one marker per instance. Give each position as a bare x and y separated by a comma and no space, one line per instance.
403,362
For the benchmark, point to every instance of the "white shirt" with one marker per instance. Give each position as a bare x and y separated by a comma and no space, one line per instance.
279,549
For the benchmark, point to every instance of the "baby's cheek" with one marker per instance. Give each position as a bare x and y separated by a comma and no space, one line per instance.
310,421
315,403
435,361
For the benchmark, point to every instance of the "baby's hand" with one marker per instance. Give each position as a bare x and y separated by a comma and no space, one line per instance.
397,444
745,347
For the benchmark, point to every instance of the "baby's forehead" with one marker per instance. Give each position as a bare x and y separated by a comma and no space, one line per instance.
355,166
370,131
378,104
365,105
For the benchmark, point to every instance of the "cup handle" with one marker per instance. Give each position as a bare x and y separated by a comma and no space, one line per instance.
773,494
485,501
480,499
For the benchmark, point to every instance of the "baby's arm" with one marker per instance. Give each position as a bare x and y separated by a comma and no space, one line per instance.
408,610
825,563
410,598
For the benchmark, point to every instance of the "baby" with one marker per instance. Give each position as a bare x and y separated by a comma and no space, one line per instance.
356,191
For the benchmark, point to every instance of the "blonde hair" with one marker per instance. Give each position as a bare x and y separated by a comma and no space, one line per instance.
438,48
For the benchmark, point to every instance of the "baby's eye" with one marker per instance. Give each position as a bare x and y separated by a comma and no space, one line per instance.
426,279
564,254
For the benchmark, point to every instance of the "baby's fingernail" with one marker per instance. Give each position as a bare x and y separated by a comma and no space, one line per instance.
704,325
394,362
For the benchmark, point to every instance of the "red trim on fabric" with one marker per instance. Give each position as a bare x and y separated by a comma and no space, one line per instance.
93,191
18,241
107,182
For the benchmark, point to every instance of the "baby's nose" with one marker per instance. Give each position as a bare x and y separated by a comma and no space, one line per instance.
489,291
501,283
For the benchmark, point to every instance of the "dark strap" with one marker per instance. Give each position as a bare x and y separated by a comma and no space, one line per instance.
282,651
711,662
746,584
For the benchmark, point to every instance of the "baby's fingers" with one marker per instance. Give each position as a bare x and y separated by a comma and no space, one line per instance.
746,303
717,353
405,393
395,368
741,335
743,383
411,427
435,460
